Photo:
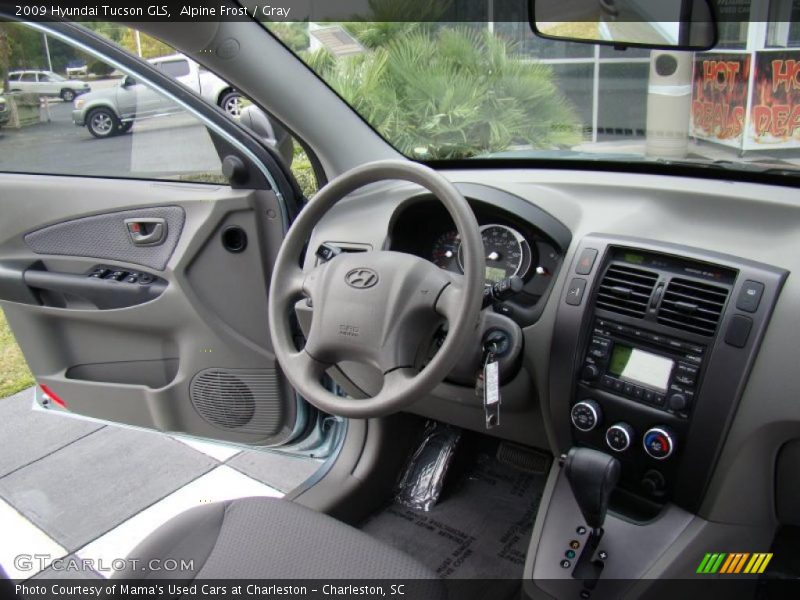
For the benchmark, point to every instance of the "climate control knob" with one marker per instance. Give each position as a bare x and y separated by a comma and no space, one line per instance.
586,415
659,442
619,437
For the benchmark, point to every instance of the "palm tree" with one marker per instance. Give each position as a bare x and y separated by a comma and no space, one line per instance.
5,53
441,92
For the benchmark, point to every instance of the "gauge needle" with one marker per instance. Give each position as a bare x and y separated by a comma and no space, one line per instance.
493,256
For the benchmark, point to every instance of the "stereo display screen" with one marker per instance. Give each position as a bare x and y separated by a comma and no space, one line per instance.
637,366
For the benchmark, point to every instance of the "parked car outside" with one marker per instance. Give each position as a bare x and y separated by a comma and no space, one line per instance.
201,81
5,113
111,111
46,83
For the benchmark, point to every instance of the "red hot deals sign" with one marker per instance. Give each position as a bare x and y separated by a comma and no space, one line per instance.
775,105
719,97
724,83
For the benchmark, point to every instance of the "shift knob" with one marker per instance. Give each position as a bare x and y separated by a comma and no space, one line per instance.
592,475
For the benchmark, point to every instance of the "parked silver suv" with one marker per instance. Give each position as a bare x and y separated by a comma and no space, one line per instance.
110,111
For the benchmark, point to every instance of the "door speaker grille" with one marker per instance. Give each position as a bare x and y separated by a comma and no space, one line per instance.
240,400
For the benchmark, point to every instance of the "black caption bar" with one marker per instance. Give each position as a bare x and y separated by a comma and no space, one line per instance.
401,589
304,10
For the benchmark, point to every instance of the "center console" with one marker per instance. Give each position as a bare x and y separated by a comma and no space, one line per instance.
653,344
652,347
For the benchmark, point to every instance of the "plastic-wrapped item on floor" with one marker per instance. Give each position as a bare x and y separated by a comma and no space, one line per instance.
421,484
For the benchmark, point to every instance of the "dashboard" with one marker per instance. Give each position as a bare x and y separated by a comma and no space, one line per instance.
579,346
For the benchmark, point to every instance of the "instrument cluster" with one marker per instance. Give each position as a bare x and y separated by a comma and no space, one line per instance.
506,251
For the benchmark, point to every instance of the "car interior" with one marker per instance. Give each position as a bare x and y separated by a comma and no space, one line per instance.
536,378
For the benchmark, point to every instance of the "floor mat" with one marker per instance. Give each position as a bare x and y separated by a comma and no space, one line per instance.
479,531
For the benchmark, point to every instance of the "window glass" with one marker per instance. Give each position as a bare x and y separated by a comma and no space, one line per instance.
232,101
175,68
783,29
13,77
733,24
110,129
45,78
622,101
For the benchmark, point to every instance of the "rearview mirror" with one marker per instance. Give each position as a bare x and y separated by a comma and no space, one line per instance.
657,24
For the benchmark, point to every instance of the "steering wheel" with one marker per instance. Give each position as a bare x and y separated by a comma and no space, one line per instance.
375,308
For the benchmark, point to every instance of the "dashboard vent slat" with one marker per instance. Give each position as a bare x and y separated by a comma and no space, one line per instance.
692,306
626,290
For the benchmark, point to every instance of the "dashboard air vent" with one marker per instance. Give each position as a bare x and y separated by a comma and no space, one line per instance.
626,290
692,306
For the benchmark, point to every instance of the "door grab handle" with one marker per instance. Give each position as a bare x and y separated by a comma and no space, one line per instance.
147,231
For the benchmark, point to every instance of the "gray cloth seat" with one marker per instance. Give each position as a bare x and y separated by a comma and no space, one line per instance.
268,538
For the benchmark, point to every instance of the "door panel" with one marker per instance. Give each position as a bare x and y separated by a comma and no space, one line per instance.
194,358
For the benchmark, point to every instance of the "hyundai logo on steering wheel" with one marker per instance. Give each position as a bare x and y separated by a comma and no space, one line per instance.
361,278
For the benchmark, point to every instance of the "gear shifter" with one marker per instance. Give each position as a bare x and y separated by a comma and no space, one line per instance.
592,475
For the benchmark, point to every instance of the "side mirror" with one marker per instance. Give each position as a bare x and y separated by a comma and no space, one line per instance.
128,81
258,122
655,24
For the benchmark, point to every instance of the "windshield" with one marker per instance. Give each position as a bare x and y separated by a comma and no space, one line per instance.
494,90
50,76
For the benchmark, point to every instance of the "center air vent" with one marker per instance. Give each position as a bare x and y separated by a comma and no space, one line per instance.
626,290
692,306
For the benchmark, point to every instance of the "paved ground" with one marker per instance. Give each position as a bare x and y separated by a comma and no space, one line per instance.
58,146
70,488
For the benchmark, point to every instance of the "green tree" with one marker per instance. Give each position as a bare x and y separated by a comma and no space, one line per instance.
151,47
442,92
5,54
294,35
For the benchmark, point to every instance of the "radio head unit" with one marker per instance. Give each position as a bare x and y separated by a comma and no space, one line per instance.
643,366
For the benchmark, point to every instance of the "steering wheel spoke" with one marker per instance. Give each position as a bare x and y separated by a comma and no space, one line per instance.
397,380
307,365
450,301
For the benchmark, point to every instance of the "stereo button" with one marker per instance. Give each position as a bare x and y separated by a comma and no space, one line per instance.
590,372
678,402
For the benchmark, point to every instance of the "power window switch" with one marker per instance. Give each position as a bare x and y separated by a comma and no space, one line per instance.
145,278
99,273
118,275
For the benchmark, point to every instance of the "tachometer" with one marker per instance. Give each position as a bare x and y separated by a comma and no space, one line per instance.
445,251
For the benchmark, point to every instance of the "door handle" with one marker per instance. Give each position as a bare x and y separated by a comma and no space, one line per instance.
147,231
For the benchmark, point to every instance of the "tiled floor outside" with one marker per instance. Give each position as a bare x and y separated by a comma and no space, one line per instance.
70,488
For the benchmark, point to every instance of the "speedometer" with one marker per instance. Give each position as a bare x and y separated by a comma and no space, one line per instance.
504,251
